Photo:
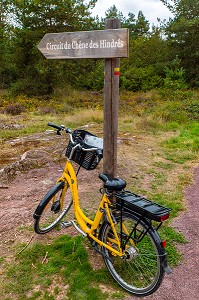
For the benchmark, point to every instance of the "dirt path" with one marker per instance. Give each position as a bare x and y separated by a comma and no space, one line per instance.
18,201
183,284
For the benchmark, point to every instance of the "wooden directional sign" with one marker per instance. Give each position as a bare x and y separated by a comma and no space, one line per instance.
107,43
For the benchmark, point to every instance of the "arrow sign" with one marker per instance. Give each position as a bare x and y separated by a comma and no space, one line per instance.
107,43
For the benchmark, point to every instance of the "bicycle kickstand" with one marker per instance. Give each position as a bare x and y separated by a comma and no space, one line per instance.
72,223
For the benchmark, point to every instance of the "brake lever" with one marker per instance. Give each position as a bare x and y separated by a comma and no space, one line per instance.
59,130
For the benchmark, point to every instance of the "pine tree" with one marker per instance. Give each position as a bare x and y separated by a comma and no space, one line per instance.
183,35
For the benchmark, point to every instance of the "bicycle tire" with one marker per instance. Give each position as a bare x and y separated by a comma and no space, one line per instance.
48,213
141,272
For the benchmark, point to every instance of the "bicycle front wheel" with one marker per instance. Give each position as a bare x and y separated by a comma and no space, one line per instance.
140,270
53,207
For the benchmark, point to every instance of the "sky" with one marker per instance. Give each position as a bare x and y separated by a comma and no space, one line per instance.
152,9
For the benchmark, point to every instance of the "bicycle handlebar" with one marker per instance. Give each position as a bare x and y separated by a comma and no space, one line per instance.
59,128
69,131
55,126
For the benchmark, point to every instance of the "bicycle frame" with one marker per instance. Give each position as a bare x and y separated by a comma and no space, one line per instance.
121,230
87,225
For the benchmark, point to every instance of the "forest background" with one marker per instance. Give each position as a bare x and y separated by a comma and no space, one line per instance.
166,55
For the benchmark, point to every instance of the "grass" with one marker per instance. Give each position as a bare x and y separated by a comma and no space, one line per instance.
158,146
28,127
184,146
66,265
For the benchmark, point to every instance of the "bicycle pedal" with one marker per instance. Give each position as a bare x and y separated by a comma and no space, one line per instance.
66,224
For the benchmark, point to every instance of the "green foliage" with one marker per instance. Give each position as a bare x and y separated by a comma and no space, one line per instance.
175,76
181,106
144,70
152,53
66,259
183,147
33,74
143,79
172,237
113,12
141,25
137,27
26,71
6,68
183,36
188,140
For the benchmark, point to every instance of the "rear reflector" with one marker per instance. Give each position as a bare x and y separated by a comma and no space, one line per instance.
163,244
165,217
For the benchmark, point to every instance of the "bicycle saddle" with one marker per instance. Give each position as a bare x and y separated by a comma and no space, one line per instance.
112,184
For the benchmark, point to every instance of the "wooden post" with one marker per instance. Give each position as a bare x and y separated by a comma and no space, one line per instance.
111,102
110,44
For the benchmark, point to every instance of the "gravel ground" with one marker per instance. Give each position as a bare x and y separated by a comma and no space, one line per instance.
18,201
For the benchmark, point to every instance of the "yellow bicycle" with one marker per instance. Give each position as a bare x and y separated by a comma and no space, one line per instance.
121,231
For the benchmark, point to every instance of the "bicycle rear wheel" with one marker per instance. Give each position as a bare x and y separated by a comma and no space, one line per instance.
53,207
140,271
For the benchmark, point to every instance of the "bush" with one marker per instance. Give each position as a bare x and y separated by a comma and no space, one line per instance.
193,111
44,110
13,109
144,79
175,76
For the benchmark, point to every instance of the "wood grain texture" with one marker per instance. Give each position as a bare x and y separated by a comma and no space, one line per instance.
107,43
111,103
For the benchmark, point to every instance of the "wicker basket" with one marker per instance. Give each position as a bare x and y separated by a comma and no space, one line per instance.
87,160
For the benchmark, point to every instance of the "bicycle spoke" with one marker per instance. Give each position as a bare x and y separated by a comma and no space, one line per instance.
139,270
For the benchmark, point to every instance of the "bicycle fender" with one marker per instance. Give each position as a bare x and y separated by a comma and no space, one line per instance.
166,267
158,240
46,198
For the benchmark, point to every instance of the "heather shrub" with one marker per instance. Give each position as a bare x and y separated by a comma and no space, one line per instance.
13,109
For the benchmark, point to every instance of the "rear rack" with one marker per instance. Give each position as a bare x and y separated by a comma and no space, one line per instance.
136,203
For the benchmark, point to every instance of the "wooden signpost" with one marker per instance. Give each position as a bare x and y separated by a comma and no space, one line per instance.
85,44
110,44
111,103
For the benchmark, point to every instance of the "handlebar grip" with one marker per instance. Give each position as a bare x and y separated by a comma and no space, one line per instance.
55,126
